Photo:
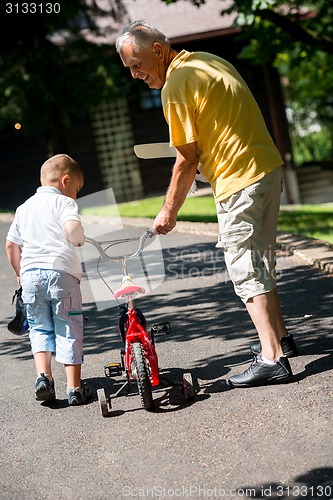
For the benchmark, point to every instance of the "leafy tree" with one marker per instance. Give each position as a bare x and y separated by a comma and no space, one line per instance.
51,68
297,37
281,23
308,89
284,23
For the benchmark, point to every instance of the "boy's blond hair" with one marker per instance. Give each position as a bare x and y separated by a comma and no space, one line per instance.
57,166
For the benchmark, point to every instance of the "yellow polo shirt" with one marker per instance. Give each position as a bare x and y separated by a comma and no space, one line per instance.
206,100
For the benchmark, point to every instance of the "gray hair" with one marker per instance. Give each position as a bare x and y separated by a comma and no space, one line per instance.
141,34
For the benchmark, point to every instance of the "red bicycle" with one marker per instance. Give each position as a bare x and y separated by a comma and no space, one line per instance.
139,359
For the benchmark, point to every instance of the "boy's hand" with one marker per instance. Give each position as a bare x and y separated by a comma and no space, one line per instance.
14,256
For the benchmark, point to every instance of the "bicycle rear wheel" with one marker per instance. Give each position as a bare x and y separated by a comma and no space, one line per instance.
143,380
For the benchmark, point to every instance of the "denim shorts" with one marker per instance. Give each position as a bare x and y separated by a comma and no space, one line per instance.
247,233
54,310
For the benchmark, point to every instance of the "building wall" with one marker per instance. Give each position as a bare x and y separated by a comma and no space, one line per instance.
113,135
22,154
20,160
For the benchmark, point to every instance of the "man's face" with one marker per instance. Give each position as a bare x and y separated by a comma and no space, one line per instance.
148,64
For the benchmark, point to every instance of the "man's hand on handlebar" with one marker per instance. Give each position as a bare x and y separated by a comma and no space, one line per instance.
164,222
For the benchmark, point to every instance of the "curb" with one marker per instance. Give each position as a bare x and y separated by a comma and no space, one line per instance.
318,253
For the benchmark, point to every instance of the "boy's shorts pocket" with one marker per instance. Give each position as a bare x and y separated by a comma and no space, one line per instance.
60,293
29,298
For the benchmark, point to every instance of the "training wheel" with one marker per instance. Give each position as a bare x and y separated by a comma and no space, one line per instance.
103,403
188,387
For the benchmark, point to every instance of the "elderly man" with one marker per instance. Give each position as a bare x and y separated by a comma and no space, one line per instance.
217,127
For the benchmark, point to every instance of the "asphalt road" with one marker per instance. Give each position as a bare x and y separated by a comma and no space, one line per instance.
268,442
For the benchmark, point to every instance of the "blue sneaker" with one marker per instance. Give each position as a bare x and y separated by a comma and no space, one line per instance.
44,389
79,395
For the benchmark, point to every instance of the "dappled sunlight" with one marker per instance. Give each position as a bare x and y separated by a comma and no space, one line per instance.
201,306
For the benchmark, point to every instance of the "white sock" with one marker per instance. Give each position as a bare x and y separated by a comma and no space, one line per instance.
70,389
267,361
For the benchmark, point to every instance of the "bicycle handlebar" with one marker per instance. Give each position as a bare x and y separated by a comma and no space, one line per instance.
149,233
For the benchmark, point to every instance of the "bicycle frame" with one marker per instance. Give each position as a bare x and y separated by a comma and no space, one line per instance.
134,330
136,333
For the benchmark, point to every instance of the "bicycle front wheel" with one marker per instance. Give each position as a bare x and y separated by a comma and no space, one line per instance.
143,380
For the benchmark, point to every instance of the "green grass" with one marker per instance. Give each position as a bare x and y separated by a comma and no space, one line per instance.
315,221
195,209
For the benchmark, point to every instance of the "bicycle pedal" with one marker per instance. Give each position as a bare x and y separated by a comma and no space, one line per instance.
113,369
161,328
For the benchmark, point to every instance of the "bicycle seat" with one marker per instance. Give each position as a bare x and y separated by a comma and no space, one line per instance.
128,290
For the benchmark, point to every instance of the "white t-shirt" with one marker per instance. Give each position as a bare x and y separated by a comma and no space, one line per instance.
38,229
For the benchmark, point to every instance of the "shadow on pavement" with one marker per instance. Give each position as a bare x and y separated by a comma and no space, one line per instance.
198,300
315,484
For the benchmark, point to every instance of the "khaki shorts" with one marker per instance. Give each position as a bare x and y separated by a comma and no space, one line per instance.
247,226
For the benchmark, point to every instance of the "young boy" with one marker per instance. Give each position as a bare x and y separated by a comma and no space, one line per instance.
40,248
